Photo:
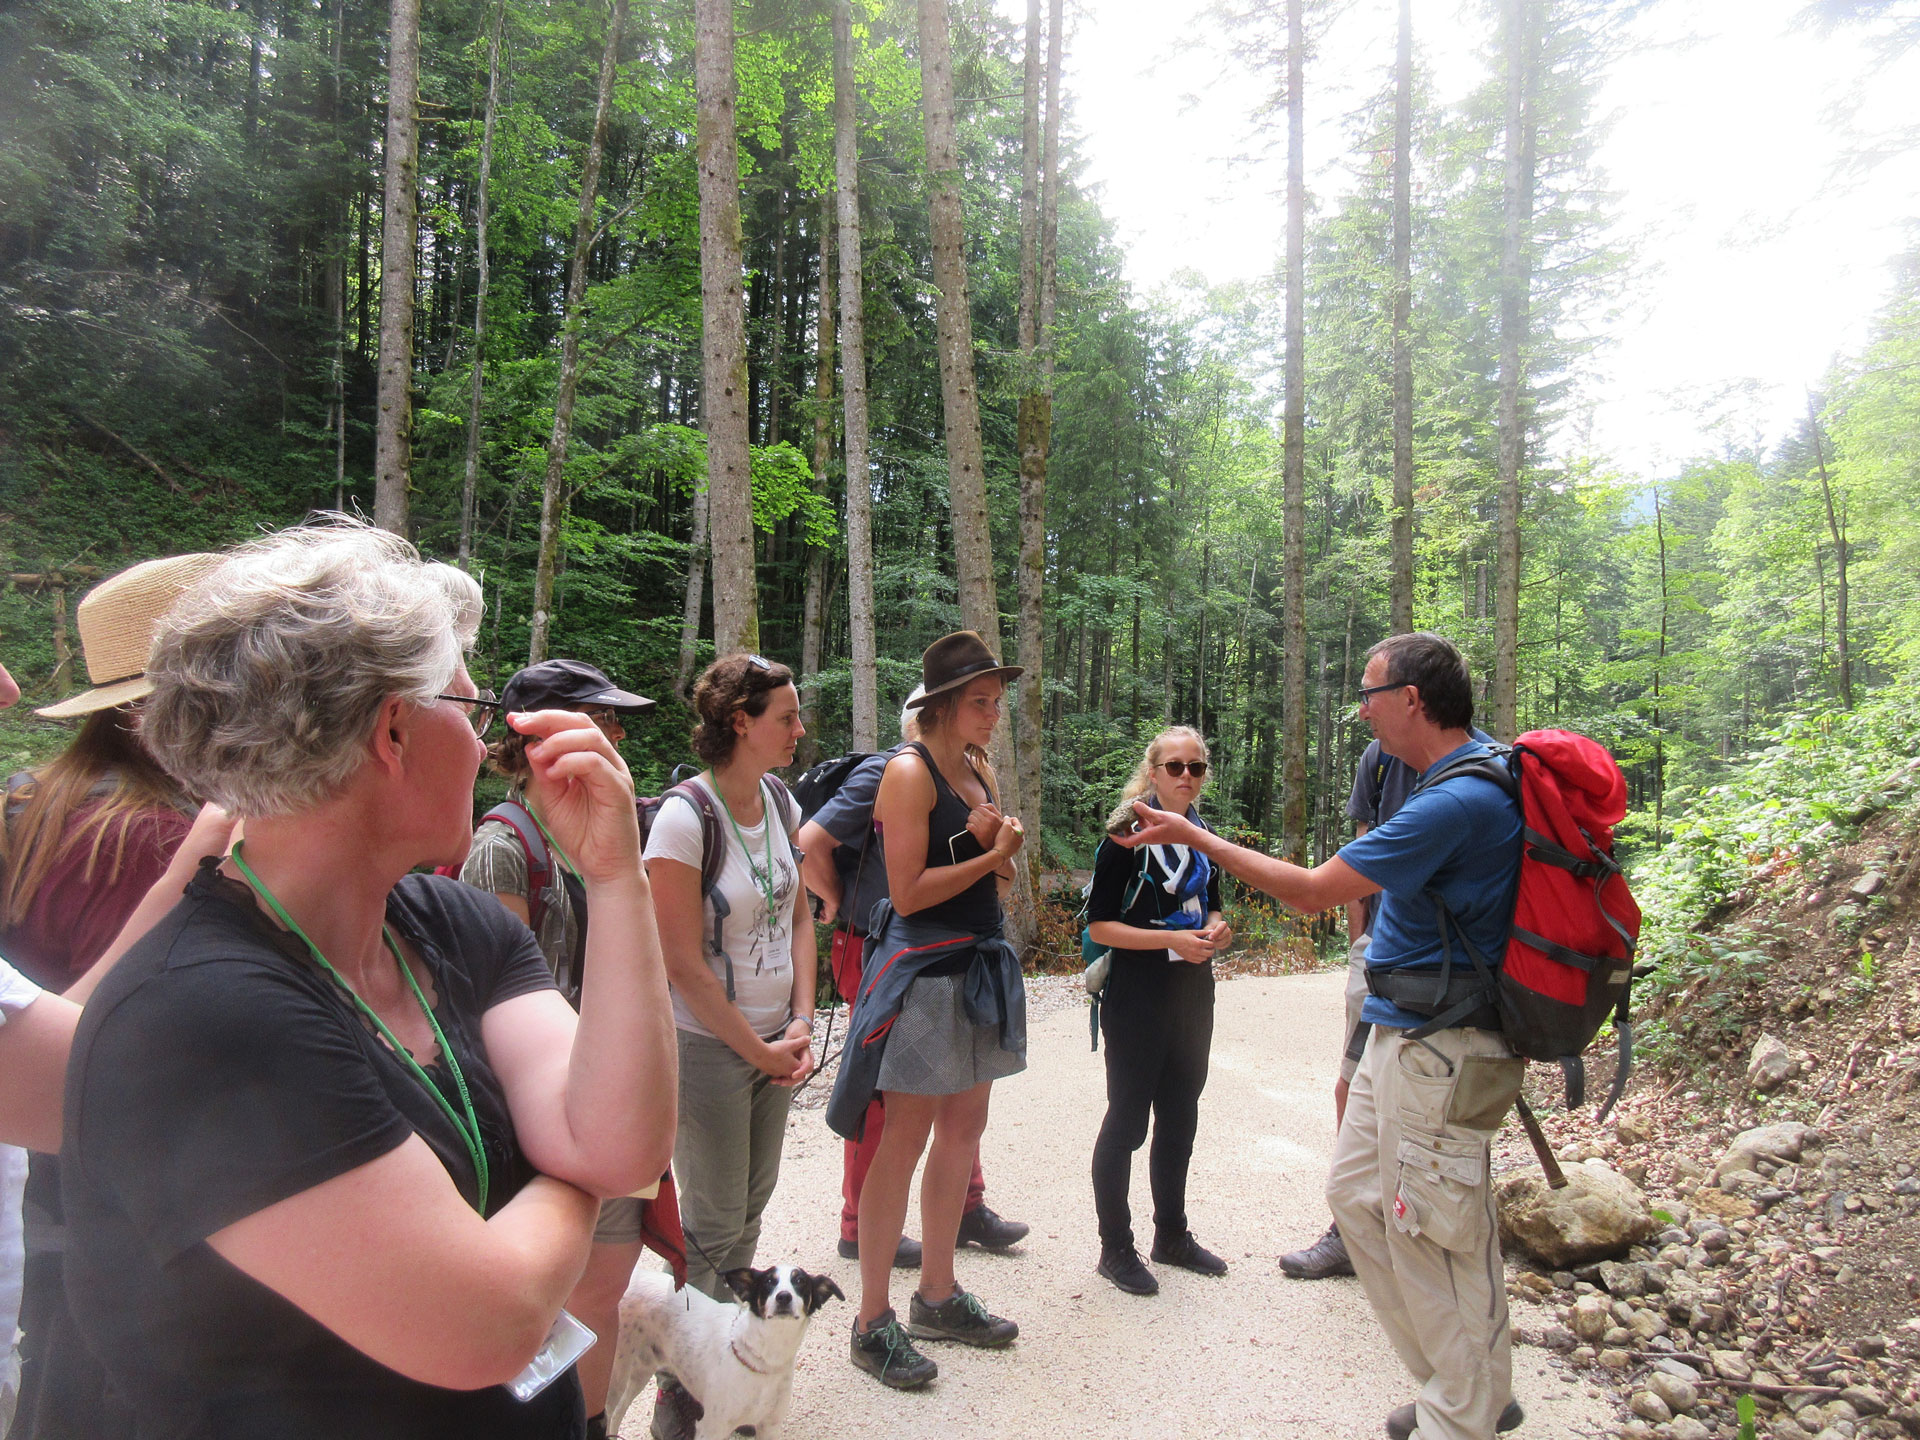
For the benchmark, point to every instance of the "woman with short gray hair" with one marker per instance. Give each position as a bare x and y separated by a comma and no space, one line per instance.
336,1141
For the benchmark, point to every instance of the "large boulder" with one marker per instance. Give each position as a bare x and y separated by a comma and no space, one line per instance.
1596,1216
1769,1066
1782,1143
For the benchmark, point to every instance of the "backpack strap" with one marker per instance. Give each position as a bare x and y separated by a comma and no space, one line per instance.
514,815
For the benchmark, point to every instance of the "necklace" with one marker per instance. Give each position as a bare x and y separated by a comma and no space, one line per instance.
765,883
469,1126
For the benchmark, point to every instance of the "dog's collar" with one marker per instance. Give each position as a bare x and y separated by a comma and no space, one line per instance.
734,1346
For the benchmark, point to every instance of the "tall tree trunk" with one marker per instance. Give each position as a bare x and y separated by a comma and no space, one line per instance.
553,490
337,277
1401,584
1035,422
967,487
1515,413
1659,667
1293,812
736,609
696,593
1837,532
966,465
813,608
862,651
470,480
399,232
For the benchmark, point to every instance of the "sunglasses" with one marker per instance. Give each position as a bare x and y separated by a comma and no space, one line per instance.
758,662
1177,768
481,709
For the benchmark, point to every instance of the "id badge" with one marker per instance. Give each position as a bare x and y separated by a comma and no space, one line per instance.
567,1341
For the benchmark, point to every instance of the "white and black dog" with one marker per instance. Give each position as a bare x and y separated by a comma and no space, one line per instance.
735,1362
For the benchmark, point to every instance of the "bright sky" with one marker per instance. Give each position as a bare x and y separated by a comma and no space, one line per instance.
1761,256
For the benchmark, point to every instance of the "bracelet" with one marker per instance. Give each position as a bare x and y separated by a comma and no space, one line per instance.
806,1020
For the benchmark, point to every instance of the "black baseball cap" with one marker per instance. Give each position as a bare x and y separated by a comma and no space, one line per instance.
568,685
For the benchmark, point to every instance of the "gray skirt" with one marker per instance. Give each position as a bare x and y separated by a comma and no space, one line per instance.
935,1049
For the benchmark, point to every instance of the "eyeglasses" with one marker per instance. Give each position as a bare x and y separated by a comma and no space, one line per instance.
481,709
1177,768
1367,692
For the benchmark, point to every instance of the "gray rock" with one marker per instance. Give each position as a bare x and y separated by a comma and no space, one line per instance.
1679,1369
1769,1066
1680,1396
1868,885
1649,1406
1685,1427
1731,1365
1599,1214
1623,1281
1782,1142
1864,1399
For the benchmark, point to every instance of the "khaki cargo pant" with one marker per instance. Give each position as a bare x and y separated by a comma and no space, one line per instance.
1410,1190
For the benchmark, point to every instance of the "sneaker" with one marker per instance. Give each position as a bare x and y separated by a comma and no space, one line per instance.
959,1317
886,1353
1322,1260
1400,1420
1125,1270
1188,1253
905,1257
980,1226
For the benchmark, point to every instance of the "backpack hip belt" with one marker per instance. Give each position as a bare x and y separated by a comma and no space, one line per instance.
1430,994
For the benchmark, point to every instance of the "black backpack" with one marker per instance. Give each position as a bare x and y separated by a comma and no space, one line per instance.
823,781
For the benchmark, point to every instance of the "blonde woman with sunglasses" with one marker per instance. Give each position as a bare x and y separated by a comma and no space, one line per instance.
1158,907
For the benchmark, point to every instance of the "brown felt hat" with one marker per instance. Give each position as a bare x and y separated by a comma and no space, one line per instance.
116,621
952,661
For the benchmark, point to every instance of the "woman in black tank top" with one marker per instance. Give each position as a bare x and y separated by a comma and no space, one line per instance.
948,848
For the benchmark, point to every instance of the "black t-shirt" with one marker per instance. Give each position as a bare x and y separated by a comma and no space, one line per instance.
1114,870
218,1071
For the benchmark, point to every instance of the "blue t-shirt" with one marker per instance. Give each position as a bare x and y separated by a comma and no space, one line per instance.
1461,839
848,818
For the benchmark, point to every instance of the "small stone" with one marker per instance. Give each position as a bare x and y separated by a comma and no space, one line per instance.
1646,1325
1623,1281
1678,1394
1649,1406
1685,1427
1769,1066
1580,1355
1558,1337
1590,1318
1612,1359
1731,1365
1868,885
1865,1399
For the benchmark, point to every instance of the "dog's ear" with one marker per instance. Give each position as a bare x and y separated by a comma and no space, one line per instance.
743,1284
820,1289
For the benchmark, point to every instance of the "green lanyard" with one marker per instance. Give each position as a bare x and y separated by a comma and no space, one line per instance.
766,883
469,1127
554,845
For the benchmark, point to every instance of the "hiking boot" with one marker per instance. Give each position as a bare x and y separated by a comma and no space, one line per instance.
1124,1268
675,1411
886,1353
1322,1260
959,1317
1188,1253
980,1226
1400,1420
905,1257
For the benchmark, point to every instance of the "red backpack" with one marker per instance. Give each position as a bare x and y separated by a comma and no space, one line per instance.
1569,959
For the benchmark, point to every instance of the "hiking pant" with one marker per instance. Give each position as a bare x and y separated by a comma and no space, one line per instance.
1411,1194
726,1157
845,956
1157,1016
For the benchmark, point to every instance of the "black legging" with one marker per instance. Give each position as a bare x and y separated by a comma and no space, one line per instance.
1158,1019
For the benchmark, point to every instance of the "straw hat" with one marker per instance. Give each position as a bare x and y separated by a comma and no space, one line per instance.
116,622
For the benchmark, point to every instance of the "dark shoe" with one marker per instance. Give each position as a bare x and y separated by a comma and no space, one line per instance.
1322,1260
886,1353
1188,1253
980,1226
597,1426
906,1257
959,1317
1400,1420
1124,1269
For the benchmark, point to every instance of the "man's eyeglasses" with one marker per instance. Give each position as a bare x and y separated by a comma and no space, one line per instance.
1367,692
480,709
1177,768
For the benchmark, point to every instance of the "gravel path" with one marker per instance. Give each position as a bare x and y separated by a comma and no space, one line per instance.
1251,1354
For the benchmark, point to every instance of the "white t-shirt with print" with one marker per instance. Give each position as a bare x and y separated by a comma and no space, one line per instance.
759,943
16,993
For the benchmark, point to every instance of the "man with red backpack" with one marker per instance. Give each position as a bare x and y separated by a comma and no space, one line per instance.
1409,1186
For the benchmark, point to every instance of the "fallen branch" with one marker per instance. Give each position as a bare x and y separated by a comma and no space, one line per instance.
128,446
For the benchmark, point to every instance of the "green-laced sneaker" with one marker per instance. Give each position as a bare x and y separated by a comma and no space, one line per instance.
959,1317
886,1353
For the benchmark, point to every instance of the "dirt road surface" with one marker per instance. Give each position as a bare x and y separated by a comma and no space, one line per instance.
1252,1354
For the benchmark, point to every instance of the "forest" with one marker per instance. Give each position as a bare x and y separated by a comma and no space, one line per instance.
479,268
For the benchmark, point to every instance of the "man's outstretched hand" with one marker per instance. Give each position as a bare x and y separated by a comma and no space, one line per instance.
1160,827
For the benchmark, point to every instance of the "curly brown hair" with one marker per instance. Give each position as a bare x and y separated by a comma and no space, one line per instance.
732,683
